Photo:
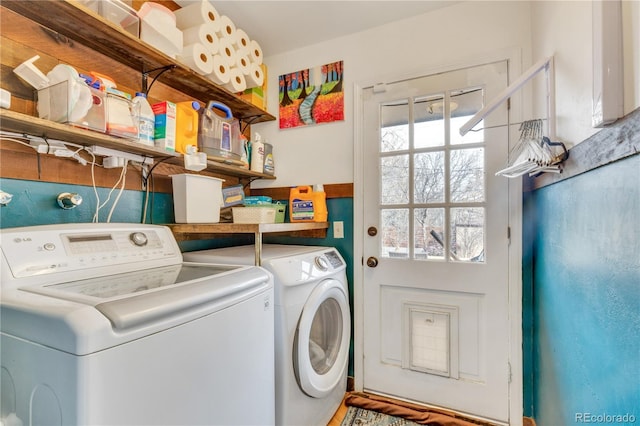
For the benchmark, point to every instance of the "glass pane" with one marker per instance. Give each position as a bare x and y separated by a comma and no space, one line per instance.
467,175
464,104
429,177
394,129
395,233
467,234
428,116
394,184
325,336
428,236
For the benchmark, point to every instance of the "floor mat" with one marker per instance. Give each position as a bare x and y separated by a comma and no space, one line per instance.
360,417
393,412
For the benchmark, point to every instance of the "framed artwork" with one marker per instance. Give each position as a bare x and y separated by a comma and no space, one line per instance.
311,96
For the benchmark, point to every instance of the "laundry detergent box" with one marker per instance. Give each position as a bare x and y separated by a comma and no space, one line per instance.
165,126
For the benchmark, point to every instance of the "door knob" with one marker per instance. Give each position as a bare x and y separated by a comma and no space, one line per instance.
372,262
372,231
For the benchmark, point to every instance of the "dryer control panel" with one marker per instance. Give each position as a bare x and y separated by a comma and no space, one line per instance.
51,249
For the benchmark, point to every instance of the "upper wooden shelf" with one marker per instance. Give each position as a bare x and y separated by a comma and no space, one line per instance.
12,121
90,29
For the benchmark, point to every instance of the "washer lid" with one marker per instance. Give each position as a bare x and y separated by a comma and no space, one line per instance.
322,340
86,316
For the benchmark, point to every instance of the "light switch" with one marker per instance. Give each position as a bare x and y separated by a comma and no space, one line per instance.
338,229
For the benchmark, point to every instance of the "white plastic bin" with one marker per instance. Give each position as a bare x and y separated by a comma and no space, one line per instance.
196,198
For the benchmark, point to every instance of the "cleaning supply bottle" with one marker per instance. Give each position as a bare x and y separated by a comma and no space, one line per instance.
257,154
145,119
186,125
307,205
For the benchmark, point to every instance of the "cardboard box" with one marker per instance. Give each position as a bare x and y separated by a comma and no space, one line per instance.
165,125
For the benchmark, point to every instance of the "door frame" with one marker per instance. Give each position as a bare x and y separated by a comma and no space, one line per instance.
516,112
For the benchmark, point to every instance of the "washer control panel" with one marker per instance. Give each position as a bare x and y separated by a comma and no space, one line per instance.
29,252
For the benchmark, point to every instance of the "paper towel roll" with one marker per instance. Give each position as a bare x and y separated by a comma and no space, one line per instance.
198,13
198,58
256,52
221,71
255,77
204,34
242,40
237,82
243,62
227,27
227,51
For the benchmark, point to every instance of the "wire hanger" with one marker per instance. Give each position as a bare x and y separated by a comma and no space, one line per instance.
533,154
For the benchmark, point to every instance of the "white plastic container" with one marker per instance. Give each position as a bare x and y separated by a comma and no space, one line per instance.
196,198
146,120
258,214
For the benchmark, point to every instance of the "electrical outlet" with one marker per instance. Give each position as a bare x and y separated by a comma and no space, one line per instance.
338,229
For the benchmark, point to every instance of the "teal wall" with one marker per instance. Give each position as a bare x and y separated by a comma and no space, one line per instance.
583,298
34,203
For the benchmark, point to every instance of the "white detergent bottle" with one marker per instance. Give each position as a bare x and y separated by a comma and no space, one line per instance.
145,119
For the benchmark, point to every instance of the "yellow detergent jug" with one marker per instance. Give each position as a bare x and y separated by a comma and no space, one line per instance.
307,205
186,125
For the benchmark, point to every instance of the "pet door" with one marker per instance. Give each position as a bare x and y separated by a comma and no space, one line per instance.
430,339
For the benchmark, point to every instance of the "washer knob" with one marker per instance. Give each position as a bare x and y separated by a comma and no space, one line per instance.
321,263
139,239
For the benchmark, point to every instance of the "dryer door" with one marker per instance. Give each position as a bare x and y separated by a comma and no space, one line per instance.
321,348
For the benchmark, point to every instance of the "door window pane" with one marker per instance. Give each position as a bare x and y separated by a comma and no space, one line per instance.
467,175
394,184
395,233
467,234
394,129
428,177
428,232
428,126
464,104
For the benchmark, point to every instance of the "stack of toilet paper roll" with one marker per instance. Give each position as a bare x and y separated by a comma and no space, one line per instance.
215,48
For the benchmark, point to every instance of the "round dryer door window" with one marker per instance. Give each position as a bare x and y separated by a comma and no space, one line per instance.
322,340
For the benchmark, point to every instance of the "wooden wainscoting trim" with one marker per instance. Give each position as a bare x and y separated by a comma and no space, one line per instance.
333,190
614,142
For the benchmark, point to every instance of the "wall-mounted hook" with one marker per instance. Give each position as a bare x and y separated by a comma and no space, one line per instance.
69,200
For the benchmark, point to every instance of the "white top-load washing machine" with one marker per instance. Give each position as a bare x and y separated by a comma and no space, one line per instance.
105,324
313,326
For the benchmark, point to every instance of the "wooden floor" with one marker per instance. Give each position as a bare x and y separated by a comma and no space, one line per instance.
339,415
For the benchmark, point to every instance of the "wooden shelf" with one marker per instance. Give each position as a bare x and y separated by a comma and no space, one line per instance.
194,231
75,21
186,231
16,122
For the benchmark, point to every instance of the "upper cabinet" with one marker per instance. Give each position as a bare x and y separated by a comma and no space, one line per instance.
88,28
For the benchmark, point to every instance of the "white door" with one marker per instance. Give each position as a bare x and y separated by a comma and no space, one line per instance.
435,273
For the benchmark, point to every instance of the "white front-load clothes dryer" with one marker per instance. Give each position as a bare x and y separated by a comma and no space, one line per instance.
312,326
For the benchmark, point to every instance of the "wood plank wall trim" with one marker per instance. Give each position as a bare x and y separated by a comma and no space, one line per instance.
619,140
333,190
